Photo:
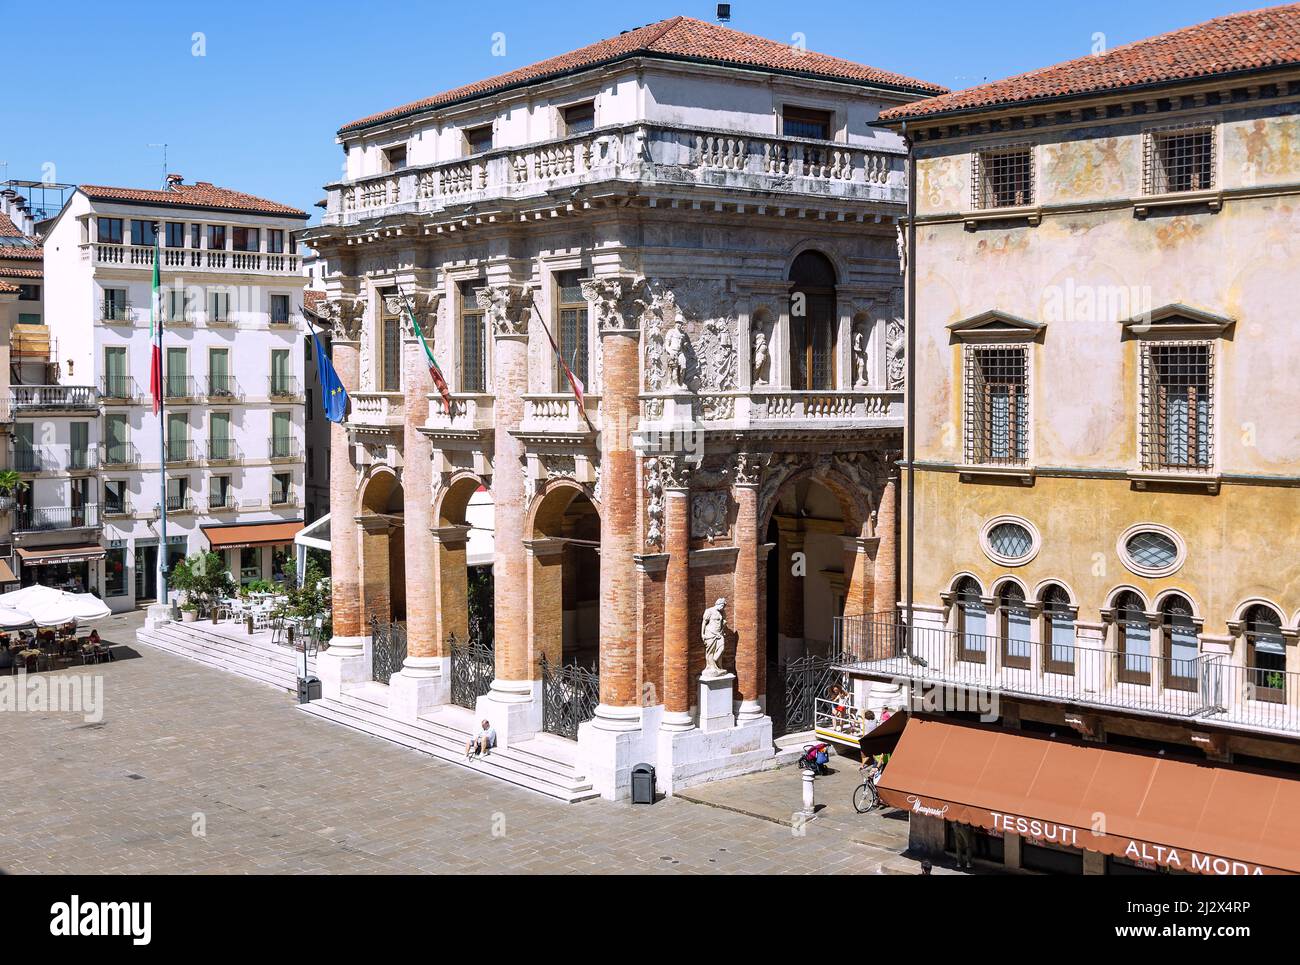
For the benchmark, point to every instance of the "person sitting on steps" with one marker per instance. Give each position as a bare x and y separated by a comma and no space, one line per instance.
482,742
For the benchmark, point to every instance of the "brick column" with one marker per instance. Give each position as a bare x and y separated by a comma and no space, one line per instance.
677,592
790,587
345,565
375,574
450,586
885,577
751,638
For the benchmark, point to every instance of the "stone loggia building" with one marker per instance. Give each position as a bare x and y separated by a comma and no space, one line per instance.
705,224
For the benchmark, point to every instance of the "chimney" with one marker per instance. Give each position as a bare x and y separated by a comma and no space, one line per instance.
174,180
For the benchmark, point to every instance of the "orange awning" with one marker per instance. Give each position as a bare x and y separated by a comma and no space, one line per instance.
1178,814
6,573
41,555
251,534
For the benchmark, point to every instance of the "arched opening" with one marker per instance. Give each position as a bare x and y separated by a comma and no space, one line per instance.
383,556
1133,640
1265,654
1013,620
813,322
463,547
972,618
1058,629
1181,643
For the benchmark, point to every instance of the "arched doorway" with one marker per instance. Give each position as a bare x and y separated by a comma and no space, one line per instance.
464,536
814,322
383,571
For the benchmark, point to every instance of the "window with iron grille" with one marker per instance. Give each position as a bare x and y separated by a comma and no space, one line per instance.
1003,178
571,327
1177,406
473,340
997,404
1181,160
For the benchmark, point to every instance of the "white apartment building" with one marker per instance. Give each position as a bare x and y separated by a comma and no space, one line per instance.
232,370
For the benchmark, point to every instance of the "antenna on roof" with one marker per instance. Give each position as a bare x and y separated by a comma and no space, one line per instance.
164,177
724,13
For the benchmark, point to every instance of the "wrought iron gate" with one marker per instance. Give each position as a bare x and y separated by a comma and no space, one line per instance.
802,681
472,667
388,649
569,696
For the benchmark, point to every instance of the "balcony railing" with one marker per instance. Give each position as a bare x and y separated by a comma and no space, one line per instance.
116,313
48,397
116,507
118,455
181,450
115,388
224,389
179,503
1206,687
635,152
559,413
282,387
377,408
763,407
470,413
281,497
33,460
222,502
201,259
180,387
29,520
282,447
223,450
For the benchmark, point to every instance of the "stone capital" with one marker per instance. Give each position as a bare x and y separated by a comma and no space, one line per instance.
453,537
424,305
618,302
376,523
507,308
677,472
344,316
748,468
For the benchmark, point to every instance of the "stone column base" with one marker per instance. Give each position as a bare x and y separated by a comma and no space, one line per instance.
514,708
615,741
691,757
156,615
422,684
344,664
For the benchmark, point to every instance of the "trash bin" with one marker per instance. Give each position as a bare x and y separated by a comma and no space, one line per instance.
643,784
308,689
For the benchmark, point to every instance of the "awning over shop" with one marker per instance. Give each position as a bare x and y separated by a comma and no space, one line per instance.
42,555
6,573
251,534
1177,814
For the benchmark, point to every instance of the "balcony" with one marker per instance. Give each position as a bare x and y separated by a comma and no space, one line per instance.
767,409
181,451
116,508
283,449
281,498
1206,689
179,504
283,388
222,502
194,259
557,415
470,416
381,410
223,451
224,390
180,388
53,518
60,459
118,389
117,313
48,398
778,171
118,455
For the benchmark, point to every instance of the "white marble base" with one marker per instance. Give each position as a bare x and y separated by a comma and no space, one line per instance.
715,705
156,615
615,741
422,684
345,664
514,708
687,758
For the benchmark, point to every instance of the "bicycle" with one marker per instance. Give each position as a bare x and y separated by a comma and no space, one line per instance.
865,796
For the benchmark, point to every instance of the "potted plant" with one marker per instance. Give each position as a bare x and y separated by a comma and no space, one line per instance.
203,578
11,484
189,611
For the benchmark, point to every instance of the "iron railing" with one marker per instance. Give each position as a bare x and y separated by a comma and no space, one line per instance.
801,682
388,649
119,387
118,454
180,387
570,694
224,389
1259,697
56,517
223,450
282,386
282,447
473,665
181,450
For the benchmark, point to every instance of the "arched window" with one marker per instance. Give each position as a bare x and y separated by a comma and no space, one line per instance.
813,322
1134,641
1181,644
1058,629
1265,654
1013,614
972,622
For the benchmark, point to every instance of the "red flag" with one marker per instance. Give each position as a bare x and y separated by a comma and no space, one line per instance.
575,383
435,371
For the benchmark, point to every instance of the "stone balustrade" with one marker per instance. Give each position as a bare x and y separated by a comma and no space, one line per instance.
559,413
376,409
832,409
470,413
195,259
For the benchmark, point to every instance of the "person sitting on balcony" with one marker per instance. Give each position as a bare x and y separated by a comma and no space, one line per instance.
482,742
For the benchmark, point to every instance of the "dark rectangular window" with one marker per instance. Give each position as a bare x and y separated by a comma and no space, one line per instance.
1177,406
217,237
114,495
997,405
1180,161
196,236
275,240
1004,178
143,232
175,234
579,118
29,293
245,239
395,158
108,231
117,576
473,340
279,309
479,139
805,122
571,325
115,309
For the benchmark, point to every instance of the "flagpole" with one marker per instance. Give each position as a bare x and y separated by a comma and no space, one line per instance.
155,307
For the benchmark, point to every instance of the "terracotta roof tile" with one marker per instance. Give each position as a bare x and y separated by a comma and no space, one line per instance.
677,38
30,252
6,272
7,227
198,195
1253,40
312,299
8,288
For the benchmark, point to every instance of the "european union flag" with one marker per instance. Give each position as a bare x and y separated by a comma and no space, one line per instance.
333,396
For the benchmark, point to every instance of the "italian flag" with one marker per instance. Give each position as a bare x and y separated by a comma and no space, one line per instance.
155,332
435,371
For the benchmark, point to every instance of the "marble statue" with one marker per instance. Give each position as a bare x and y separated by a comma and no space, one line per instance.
713,631
760,359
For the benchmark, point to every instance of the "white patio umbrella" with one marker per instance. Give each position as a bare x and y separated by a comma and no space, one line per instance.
13,619
48,607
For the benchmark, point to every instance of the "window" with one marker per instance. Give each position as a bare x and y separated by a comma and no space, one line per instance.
178,374
571,329
1151,552
997,416
108,231
281,435
178,493
116,575
579,118
1177,409
1009,540
196,236
250,564
176,305
806,122
478,139
1179,161
972,622
281,379
1134,643
279,309
26,458
275,240
116,449
219,307
116,382
220,383
27,318
115,308
220,444
1003,178
175,234
395,158
178,437
29,293
281,488
473,340
1265,655
79,446
1014,615
390,344
217,237
1058,630
245,239
1182,645
143,232
115,496
813,322
219,493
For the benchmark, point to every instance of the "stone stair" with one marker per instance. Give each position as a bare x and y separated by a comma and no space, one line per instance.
545,764
255,657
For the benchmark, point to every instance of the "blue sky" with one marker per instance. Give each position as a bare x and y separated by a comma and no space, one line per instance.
93,84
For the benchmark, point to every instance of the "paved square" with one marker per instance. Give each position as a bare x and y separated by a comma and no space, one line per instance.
195,770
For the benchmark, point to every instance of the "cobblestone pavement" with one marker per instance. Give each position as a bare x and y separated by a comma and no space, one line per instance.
195,770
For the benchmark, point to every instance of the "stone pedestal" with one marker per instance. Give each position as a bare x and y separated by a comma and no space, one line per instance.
345,663
514,708
716,703
690,757
422,684
612,743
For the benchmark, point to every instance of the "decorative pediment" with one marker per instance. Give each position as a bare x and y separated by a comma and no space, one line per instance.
996,326
1177,320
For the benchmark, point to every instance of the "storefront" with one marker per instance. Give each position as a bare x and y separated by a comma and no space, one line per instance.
70,568
1065,807
254,551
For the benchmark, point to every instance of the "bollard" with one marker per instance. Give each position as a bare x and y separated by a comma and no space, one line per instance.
809,794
